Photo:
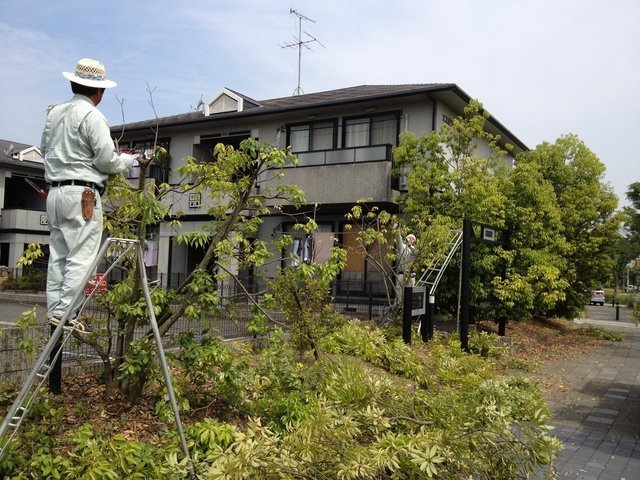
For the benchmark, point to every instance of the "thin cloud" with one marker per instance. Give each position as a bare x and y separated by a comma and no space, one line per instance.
543,68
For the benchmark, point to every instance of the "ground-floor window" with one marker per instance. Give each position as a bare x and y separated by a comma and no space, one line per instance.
367,267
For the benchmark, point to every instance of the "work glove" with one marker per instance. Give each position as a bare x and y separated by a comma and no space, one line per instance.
130,161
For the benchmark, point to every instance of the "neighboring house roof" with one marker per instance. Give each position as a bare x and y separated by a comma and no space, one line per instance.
14,154
343,96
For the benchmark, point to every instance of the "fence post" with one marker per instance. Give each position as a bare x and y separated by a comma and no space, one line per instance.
406,315
466,273
502,327
347,305
370,306
427,327
55,375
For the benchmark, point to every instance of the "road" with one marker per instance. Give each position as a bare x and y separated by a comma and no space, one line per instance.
606,316
595,404
11,311
12,306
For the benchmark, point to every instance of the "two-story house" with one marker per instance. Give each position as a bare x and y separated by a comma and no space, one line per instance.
23,218
343,139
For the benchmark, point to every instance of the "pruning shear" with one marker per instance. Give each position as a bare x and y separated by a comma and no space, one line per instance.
41,191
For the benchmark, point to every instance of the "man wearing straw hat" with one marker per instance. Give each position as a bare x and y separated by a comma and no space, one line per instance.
79,156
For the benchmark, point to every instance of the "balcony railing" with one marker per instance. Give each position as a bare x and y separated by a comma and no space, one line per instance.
153,171
376,153
17,218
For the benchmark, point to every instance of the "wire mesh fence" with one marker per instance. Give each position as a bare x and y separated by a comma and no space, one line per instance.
237,307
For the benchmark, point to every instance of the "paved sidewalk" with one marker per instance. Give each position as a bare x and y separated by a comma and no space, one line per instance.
596,409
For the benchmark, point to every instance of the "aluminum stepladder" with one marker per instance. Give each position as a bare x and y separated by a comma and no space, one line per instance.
44,364
433,273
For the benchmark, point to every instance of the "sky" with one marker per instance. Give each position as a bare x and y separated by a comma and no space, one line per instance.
543,68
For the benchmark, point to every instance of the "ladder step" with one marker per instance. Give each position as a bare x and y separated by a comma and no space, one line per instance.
44,371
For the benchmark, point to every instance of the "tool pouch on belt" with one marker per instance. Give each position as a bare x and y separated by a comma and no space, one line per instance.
88,202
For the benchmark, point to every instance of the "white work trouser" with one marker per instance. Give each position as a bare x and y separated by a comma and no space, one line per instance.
73,246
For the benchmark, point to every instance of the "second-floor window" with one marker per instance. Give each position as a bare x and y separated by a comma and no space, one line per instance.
312,136
371,130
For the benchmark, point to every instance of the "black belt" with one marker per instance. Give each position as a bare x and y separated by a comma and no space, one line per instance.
82,183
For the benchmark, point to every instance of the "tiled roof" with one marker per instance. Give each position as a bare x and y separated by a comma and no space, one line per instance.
342,95
7,159
6,145
244,97
360,92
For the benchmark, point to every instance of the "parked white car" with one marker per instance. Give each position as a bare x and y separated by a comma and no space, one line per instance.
597,296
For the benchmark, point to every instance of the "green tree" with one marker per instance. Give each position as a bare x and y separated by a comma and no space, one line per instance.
532,283
302,294
236,209
447,176
558,215
589,224
627,250
448,179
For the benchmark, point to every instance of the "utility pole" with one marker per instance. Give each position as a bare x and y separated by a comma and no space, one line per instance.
299,43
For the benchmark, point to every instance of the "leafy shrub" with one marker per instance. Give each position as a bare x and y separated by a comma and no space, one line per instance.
85,454
277,394
371,345
370,408
487,345
360,424
601,333
209,434
29,281
210,371
518,364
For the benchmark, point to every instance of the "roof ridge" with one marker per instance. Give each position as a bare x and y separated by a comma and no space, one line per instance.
359,87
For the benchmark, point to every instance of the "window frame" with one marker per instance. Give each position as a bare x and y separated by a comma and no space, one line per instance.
370,117
311,124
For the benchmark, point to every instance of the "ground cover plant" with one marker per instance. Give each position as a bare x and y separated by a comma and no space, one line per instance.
368,407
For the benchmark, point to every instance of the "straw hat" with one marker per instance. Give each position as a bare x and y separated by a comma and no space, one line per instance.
91,73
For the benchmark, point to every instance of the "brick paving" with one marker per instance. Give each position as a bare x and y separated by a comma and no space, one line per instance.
596,413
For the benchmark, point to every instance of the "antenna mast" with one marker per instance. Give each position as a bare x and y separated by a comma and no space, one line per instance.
299,43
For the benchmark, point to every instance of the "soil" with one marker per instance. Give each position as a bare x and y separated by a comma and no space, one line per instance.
537,342
84,398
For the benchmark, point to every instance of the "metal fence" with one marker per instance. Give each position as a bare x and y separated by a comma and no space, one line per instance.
231,322
33,277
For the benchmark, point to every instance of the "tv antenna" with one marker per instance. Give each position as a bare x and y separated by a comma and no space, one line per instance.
299,42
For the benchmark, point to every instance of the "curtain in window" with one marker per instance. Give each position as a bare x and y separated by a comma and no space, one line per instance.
322,244
356,132
384,130
299,138
322,138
